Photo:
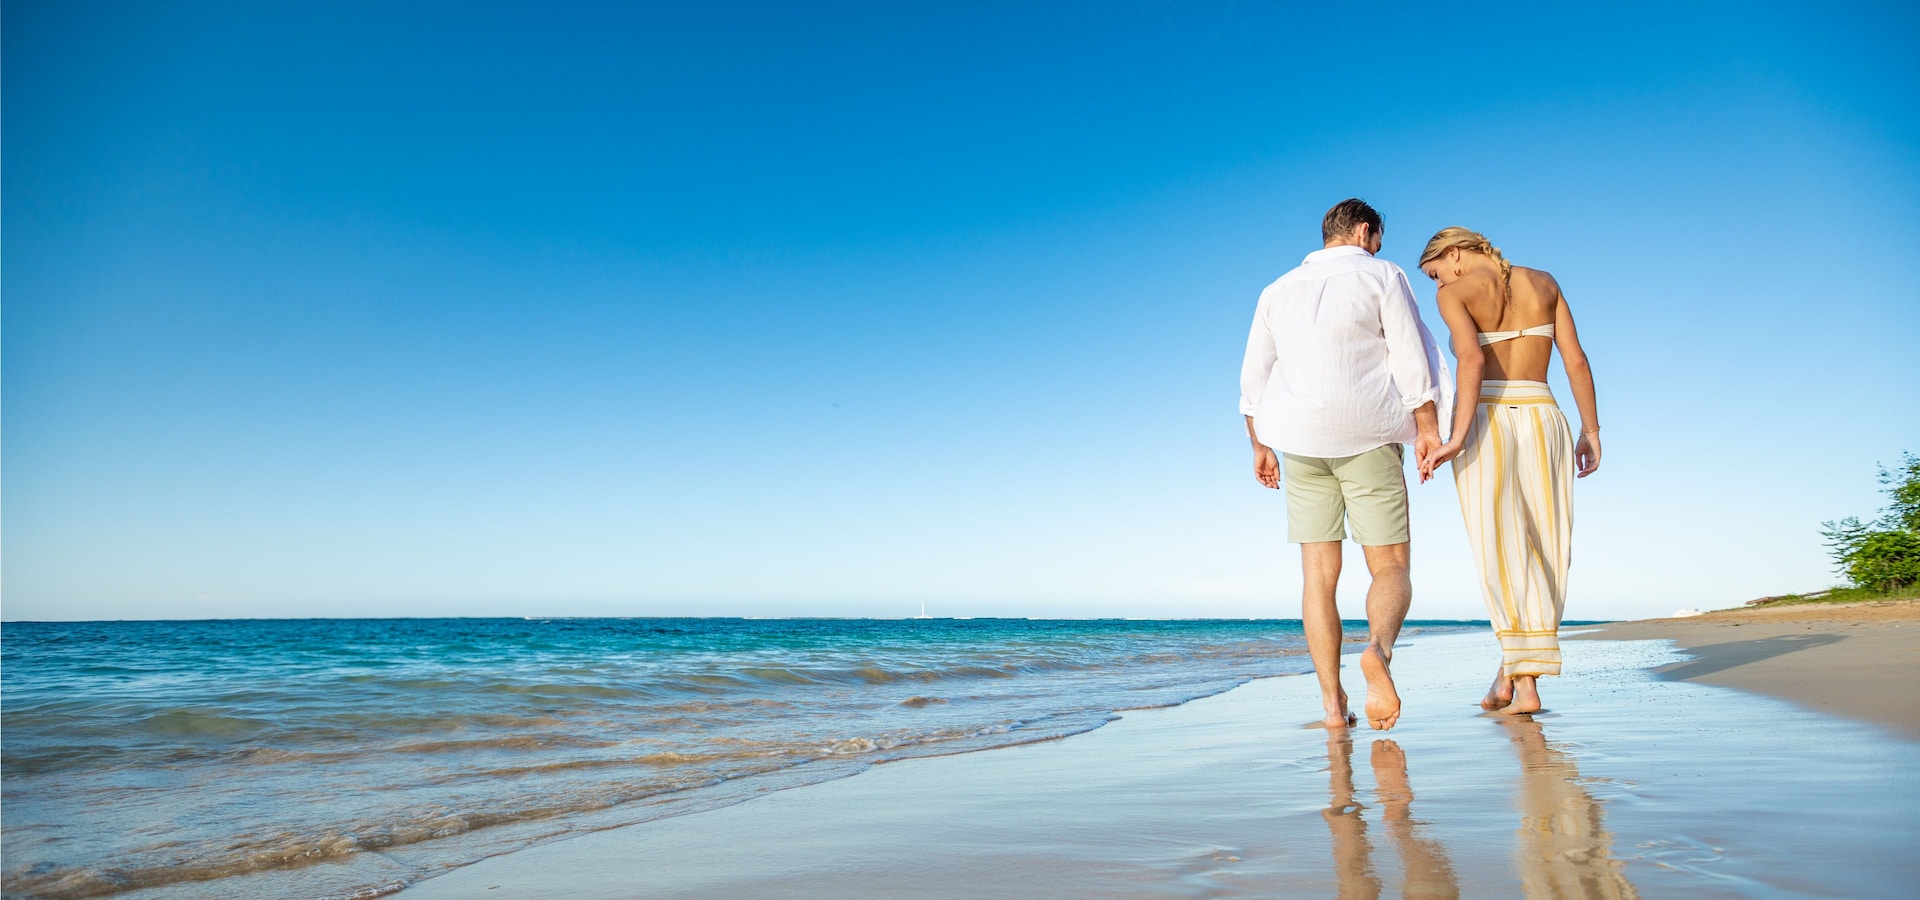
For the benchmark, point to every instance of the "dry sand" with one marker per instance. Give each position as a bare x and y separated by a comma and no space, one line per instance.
1855,659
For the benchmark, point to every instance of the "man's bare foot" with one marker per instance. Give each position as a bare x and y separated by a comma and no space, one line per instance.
1526,697
1499,695
1383,702
1337,714
1390,777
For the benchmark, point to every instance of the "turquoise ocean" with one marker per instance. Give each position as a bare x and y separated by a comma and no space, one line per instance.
348,758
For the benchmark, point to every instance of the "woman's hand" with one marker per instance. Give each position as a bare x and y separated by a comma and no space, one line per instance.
1586,453
1266,466
1439,455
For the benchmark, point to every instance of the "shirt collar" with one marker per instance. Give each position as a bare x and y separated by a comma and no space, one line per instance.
1332,252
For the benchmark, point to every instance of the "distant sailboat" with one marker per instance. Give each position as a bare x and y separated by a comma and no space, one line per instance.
923,611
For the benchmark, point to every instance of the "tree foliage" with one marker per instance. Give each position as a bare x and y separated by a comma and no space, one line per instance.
1885,555
1903,488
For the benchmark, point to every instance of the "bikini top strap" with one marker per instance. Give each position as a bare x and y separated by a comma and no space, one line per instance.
1495,337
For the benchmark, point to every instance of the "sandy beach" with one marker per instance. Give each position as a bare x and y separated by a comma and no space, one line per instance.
1860,660
1648,774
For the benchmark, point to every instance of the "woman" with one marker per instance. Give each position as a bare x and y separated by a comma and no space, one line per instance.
1513,458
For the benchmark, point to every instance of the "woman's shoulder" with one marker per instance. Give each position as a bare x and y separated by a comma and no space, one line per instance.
1540,279
1472,286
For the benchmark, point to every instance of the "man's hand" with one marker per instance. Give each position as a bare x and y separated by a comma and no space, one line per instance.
1425,444
1266,466
1426,437
1586,453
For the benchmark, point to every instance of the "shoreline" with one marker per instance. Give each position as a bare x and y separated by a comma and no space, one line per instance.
1860,660
1629,784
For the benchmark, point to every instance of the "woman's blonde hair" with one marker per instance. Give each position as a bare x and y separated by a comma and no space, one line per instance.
1453,237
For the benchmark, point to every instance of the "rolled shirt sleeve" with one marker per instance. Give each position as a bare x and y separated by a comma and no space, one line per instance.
1257,366
1407,343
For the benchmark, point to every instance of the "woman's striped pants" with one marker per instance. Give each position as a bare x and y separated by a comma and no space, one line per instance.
1515,479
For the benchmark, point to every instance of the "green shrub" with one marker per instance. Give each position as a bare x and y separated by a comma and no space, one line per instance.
1903,488
1886,555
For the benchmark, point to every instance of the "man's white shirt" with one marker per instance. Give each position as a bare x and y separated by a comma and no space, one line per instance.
1338,358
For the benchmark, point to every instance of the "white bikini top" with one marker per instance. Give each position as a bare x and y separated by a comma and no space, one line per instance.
1495,337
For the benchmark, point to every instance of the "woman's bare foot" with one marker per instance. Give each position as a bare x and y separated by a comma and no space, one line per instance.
1383,702
1526,697
1499,695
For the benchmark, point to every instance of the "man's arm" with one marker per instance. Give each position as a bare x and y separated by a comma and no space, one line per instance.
1266,466
1413,376
1255,368
1426,436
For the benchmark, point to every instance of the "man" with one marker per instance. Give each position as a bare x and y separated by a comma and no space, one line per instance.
1339,373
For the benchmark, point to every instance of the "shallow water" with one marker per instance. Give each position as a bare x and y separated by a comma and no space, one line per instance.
142,755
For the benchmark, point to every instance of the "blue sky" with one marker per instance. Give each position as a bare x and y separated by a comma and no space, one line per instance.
833,309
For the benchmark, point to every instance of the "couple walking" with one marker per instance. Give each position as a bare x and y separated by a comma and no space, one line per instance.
1340,373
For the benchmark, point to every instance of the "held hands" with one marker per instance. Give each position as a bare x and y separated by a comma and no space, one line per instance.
1266,467
1429,453
1430,456
1425,441
1586,453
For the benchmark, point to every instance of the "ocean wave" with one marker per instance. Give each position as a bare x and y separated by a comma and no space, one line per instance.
524,742
359,737
267,853
658,760
201,723
178,862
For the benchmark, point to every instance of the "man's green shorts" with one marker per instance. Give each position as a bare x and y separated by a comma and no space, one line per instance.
1368,490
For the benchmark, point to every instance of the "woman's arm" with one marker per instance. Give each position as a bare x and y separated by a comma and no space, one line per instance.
1469,362
1586,450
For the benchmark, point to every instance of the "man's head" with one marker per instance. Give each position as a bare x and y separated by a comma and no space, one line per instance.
1352,222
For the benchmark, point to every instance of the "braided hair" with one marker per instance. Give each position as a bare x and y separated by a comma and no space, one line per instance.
1454,237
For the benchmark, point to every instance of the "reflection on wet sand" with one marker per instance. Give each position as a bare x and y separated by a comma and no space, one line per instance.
1565,849
1427,871
1352,853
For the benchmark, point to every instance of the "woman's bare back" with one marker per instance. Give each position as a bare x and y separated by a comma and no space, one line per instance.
1534,301
1477,305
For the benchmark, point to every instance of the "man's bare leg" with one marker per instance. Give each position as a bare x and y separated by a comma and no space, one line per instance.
1388,599
1320,619
1526,696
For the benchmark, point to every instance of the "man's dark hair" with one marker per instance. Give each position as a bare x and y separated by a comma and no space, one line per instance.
1346,214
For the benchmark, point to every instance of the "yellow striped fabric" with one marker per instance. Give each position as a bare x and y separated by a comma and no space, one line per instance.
1515,479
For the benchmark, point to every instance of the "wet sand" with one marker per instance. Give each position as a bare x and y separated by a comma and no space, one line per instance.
1860,660
1627,785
